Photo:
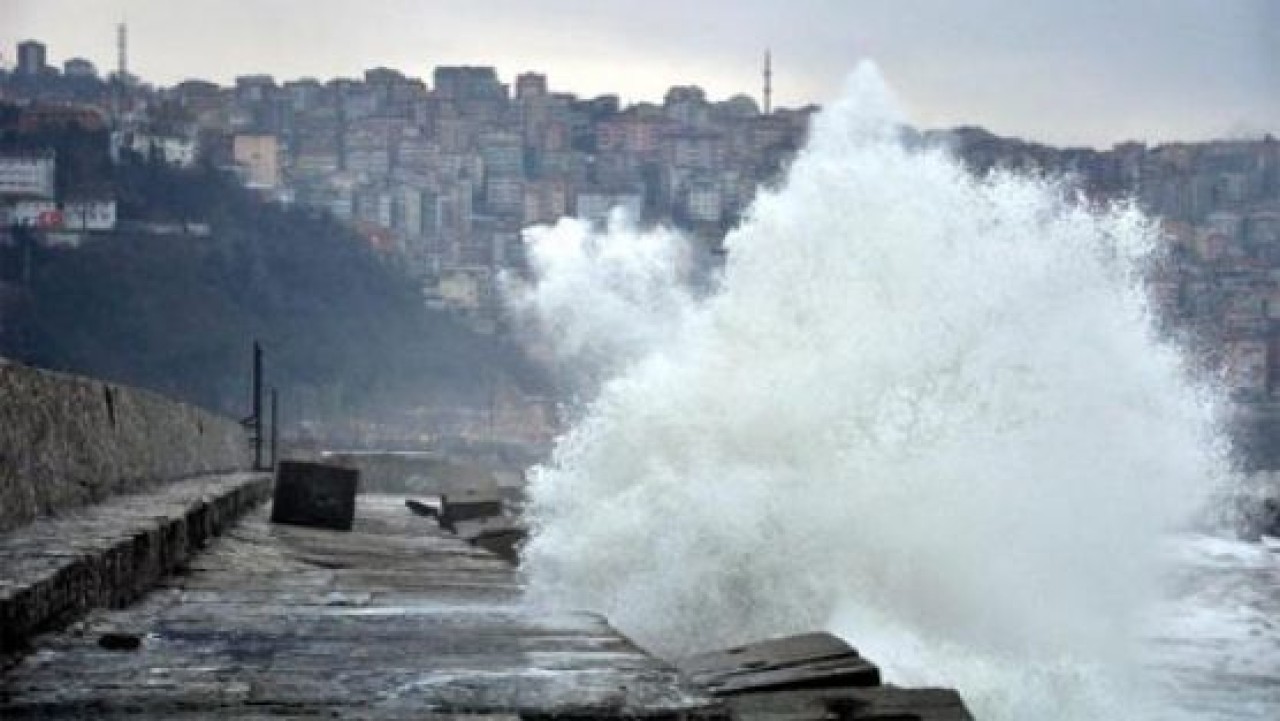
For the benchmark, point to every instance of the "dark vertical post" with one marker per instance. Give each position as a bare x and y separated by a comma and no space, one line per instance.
257,406
275,425
493,403
28,242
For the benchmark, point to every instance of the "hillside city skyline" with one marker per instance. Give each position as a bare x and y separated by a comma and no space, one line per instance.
442,177
1062,73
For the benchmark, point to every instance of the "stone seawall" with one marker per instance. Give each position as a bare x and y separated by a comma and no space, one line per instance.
68,441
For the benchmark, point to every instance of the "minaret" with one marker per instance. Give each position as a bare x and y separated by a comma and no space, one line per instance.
122,50
768,83
122,69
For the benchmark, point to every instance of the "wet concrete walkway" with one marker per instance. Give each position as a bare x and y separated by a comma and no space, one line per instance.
394,620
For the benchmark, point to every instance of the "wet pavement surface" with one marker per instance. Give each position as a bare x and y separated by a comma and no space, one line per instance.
395,619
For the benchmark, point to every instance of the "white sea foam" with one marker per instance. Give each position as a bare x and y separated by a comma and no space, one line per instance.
602,300
923,410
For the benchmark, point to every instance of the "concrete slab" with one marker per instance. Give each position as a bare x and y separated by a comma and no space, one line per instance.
880,703
816,660
813,677
394,619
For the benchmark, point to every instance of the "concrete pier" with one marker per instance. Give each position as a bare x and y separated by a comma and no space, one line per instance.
394,619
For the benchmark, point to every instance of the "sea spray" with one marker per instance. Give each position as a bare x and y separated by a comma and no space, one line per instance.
602,300
923,409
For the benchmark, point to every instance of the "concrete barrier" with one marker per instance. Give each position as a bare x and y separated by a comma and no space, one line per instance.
68,441
55,569
315,494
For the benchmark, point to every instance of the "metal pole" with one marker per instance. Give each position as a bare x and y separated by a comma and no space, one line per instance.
257,405
493,403
28,241
275,425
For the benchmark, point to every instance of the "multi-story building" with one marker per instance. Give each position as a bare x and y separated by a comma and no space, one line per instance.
258,157
31,59
171,149
502,153
29,174
687,107
91,213
504,196
632,133
79,68
31,213
254,88
303,95
598,206
531,86
704,203
545,201
462,83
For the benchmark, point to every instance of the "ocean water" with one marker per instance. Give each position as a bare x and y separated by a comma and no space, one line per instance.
923,410
1213,641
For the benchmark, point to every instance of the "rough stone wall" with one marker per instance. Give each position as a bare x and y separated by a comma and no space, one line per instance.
67,441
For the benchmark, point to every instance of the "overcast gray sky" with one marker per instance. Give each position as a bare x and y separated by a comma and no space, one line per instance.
1063,71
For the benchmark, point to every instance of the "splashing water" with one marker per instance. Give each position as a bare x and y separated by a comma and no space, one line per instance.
923,410
602,301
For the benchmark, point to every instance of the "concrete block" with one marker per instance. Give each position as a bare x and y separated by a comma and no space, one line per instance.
815,660
468,505
503,543
315,494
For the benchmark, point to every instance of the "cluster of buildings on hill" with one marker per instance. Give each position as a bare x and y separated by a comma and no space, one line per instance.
444,176
1218,204
29,198
32,64
448,175
1220,208
30,195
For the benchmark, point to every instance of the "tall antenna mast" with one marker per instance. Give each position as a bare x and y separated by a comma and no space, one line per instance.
768,82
